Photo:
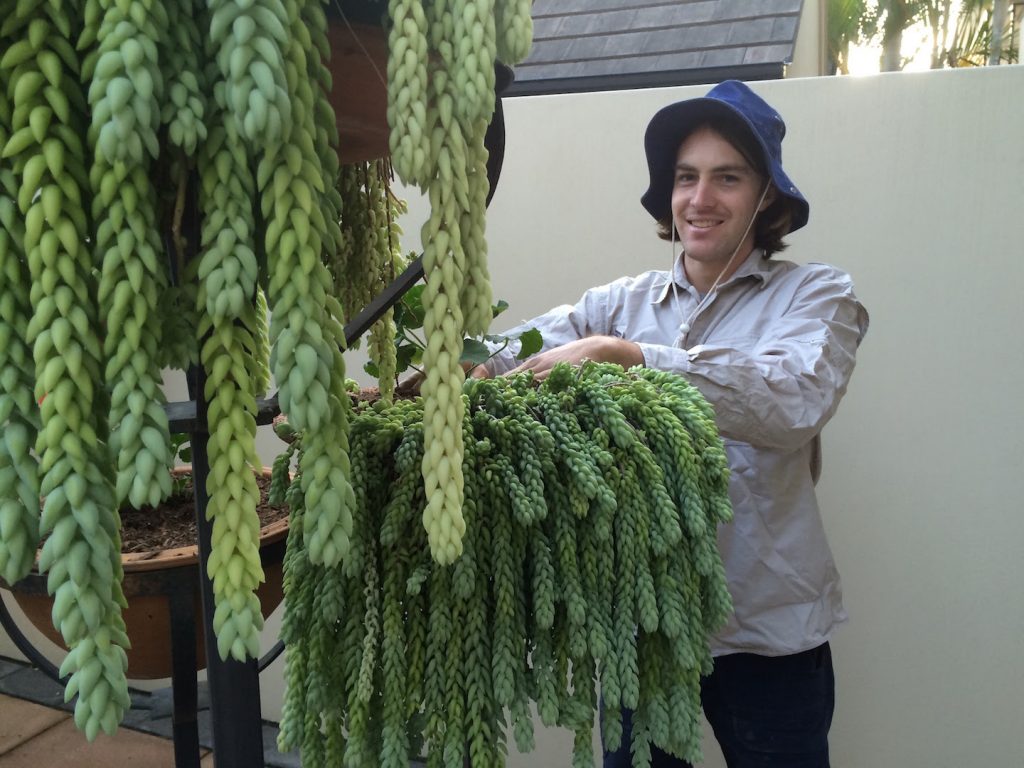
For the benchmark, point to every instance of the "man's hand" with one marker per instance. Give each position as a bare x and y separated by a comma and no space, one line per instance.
410,387
600,349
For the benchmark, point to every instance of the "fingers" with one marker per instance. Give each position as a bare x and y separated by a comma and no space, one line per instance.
480,372
410,386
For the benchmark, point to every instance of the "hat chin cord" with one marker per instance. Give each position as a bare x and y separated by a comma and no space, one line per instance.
684,326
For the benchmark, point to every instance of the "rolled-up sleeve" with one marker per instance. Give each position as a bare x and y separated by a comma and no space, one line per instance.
778,390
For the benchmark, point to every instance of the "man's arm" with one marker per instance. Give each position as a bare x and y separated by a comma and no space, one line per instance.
601,349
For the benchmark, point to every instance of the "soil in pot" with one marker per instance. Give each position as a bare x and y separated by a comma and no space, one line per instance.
156,545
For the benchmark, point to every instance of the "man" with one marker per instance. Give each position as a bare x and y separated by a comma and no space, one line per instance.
771,345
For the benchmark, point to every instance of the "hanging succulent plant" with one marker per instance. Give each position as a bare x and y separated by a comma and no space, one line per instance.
590,562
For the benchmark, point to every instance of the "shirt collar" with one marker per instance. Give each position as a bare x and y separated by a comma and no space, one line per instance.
754,266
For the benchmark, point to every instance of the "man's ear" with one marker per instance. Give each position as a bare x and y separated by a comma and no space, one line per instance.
770,197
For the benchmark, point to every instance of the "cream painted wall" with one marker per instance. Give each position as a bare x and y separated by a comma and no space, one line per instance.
809,53
919,196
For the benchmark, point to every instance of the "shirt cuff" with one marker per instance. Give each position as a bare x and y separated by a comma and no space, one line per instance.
665,358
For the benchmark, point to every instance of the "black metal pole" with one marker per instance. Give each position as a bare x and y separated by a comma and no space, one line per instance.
184,688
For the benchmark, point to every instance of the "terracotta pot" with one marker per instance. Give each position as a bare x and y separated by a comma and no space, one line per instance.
149,579
359,92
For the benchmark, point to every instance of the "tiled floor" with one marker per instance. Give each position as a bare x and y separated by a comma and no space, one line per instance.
36,729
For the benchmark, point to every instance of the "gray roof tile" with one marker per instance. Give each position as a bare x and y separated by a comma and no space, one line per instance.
761,54
597,23
785,28
678,60
722,57
751,31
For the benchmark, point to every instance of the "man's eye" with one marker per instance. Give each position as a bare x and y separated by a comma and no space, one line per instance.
684,178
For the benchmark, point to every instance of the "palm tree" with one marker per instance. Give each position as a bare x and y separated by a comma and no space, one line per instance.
896,16
847,24
964,37
999,41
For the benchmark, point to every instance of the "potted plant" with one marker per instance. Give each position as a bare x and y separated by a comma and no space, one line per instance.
160,559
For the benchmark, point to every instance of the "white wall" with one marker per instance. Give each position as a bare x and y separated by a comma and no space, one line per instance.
916,183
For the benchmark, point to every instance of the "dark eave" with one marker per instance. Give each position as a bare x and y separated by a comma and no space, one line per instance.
654,79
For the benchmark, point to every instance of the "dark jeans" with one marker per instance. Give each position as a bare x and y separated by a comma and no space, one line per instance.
766,712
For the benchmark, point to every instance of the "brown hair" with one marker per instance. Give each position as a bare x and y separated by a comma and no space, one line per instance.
773,222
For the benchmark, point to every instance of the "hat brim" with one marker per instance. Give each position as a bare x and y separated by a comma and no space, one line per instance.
666,132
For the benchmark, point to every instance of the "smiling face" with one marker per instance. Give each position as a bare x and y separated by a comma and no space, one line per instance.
715,195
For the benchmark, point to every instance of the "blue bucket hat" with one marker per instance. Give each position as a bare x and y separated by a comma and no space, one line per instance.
730,100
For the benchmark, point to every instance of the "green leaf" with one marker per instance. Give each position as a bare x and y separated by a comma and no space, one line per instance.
406,355
371,368
532,342
412,308
497,309
180,446
475,352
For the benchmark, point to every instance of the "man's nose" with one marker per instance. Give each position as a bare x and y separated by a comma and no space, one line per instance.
701,194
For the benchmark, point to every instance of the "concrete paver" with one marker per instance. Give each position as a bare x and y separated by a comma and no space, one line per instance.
23,721
36,729
63,745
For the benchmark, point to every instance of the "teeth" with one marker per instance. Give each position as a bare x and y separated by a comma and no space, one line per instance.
703,223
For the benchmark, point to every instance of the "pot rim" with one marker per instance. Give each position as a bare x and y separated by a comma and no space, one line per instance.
180,557
177,557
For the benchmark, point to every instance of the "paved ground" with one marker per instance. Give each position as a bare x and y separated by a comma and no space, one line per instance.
36,730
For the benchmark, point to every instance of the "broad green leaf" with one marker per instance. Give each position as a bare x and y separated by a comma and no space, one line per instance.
406,355
498,308
532,341
475,352
371,368
412,308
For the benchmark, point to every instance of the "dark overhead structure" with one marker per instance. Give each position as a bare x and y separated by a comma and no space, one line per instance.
598,45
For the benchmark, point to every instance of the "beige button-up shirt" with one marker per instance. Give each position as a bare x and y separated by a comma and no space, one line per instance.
772,350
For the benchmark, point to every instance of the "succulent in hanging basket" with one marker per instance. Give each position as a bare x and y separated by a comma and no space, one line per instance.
590,562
